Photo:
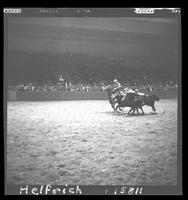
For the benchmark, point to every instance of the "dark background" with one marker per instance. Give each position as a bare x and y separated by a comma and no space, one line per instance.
92,49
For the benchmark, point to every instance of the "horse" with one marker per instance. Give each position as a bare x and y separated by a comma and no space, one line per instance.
117,99
111,96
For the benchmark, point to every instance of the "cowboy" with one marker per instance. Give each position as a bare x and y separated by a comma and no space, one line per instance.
61,80
128,91
117,85
136,94
117,88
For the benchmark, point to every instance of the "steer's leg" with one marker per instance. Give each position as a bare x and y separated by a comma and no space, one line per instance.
133,111
130,111
137,110
142,110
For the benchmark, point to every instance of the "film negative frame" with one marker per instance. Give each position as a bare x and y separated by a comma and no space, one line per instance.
98,12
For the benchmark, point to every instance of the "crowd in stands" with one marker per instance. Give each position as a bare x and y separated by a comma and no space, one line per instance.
97,86
81,73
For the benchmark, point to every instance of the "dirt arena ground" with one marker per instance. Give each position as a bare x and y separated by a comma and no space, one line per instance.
87,143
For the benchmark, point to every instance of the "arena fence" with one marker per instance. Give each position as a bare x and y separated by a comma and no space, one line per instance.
72,95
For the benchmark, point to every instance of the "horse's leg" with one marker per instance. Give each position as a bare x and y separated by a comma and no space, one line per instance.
120,109
116,107
113,106
153,107
113,103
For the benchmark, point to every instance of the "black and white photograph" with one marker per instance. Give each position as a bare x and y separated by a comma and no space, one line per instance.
92,99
